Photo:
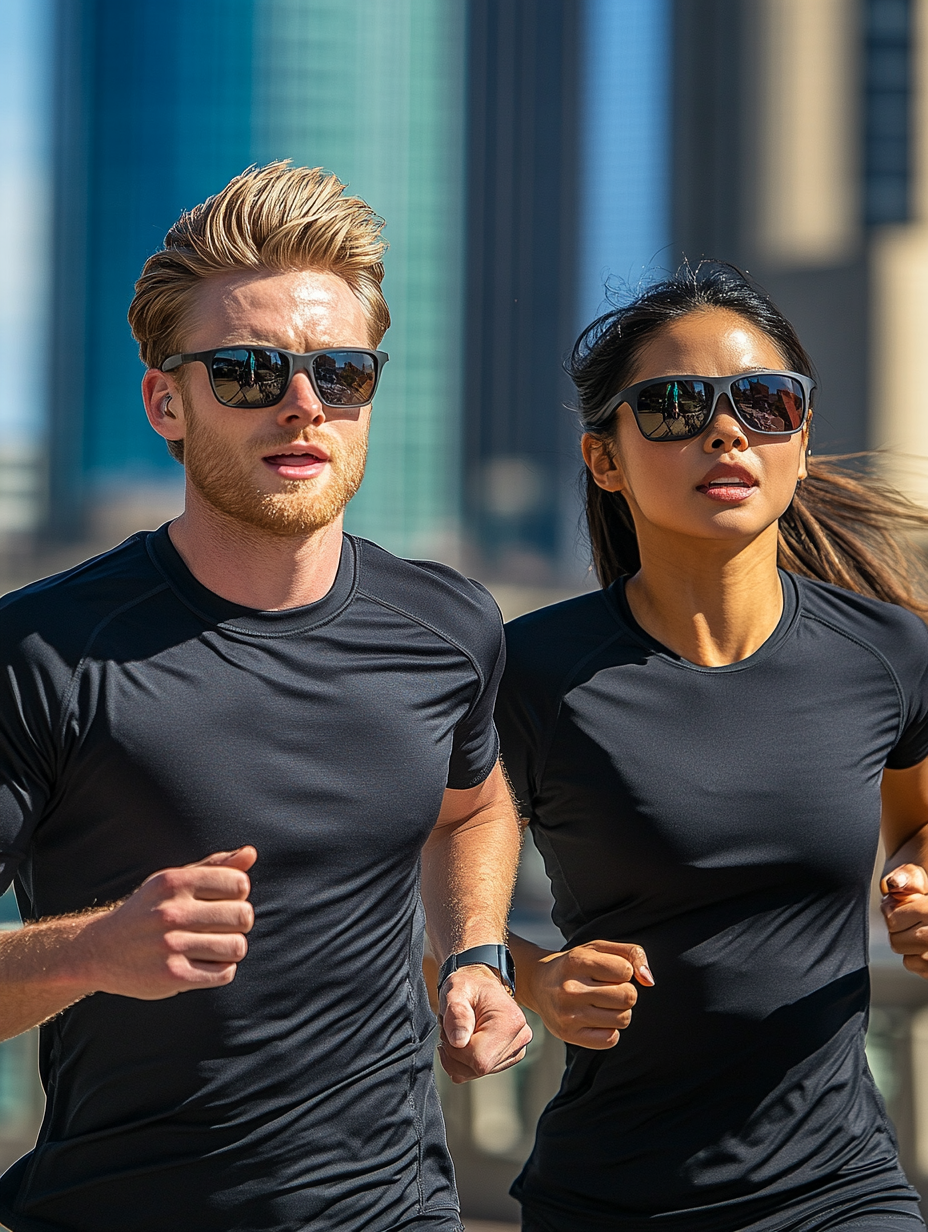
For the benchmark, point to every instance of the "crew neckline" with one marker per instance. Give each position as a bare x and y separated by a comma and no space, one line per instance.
615,594
216,610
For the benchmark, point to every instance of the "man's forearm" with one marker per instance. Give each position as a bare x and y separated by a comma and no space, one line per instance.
43,970
468,873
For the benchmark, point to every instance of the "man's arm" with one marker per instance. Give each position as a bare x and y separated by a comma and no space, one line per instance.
468,872
905,880
183,928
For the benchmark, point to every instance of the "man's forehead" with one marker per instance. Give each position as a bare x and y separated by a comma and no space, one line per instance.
295,309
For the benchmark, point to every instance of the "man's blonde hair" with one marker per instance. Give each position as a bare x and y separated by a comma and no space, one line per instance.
276,217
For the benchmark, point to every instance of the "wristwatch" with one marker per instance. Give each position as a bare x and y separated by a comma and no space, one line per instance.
495,956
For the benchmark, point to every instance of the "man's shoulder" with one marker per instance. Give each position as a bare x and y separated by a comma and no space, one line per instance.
64,609
432,594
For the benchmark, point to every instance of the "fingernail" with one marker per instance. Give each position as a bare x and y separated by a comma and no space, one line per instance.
898,880
646,972
457,1039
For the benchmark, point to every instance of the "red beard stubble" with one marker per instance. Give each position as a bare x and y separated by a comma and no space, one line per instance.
220,473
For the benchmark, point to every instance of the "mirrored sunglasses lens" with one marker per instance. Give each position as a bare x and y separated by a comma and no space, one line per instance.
673,410
249,376
770,403
345,378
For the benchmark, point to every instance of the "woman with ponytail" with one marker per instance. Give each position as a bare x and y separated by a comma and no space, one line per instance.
704,749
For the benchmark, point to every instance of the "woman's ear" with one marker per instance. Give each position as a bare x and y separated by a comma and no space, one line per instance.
806,449
599,455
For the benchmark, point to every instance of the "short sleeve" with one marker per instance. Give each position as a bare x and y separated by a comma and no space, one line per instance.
517,722
910,664
475,747
26,770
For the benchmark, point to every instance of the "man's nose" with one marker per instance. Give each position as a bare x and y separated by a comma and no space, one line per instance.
301,403
724,431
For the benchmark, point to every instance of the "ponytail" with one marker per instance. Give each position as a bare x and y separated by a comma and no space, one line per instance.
842,526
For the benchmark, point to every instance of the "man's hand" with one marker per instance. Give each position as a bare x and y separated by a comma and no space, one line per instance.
585,995
183,928
905,908
483,1031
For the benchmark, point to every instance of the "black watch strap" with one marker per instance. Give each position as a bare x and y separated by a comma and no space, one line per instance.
495,956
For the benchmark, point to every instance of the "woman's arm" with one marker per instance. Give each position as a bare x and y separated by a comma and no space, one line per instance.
905,879
584,995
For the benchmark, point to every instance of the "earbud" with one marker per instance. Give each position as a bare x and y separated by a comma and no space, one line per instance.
164,407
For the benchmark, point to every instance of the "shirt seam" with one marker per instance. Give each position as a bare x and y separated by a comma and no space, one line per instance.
85,654
879,656
445,637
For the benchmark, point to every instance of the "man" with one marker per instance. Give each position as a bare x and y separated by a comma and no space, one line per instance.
235,735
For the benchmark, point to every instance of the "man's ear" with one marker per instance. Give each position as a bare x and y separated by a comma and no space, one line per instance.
164,404
602,462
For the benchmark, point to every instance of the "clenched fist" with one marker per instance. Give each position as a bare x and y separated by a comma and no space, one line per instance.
183,928
584,995
905,908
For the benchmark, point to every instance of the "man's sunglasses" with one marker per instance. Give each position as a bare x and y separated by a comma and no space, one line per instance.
260,376
677,408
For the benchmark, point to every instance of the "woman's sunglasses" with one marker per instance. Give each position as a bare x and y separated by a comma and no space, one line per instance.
260,376
677,408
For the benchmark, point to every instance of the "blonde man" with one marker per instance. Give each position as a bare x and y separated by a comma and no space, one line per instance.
240,732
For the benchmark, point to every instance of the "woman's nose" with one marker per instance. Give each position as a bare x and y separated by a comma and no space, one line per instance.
724,431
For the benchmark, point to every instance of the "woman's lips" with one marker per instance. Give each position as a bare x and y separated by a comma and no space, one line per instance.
727,491
296,465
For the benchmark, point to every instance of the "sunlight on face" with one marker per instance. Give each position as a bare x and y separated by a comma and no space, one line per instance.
226,449
727,483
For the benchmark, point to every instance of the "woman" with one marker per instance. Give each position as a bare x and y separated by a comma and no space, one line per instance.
699,748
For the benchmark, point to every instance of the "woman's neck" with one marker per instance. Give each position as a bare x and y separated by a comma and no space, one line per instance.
713,606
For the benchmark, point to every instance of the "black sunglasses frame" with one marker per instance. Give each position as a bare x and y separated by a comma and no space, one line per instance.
719,386
299,362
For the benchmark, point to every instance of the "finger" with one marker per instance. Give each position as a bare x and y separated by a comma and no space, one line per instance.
459,1071
901,913
591,1016
593,1037
613,997
242,858
905,880
916,963
634,955
219,916
214,884
458,1021
506,1063
910,940
207,947
198,973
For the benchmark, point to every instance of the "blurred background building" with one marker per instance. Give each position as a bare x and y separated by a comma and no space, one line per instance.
530,157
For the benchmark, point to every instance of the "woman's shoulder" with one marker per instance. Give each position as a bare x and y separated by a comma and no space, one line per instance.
886,627
543,645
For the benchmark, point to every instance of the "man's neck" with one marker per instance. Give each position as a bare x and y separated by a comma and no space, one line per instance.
253,567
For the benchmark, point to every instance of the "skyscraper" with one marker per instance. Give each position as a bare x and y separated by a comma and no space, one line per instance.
148,124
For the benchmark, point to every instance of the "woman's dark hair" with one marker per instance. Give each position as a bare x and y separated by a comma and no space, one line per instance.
843,526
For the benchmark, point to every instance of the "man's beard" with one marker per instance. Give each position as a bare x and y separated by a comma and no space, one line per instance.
220,473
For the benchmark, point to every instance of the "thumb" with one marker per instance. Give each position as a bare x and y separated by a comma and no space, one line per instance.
458,1021
906,880
242,858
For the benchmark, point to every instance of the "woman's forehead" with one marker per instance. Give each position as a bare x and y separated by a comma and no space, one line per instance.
709,342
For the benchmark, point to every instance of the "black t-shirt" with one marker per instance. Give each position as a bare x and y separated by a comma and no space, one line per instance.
144,723
727,819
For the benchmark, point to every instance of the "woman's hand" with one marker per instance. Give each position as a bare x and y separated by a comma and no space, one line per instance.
584,995
905,908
